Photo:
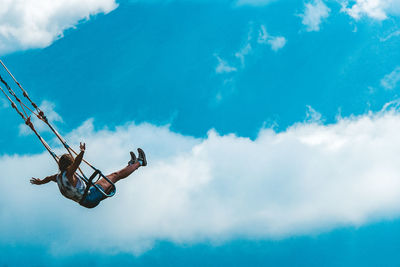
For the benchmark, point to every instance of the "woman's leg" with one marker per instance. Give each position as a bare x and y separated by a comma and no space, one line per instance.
118,175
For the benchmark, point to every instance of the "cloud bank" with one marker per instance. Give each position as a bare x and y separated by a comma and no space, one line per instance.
28,24
307,179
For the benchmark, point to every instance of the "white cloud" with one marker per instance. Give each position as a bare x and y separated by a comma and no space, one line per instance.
307,179
276,42
4,103
390,36
35,24
262,35
312,116
251,45
375,9
48,109
247,47
243,52
391,80
223,66
315,12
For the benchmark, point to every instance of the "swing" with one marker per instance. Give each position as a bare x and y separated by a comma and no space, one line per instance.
36,111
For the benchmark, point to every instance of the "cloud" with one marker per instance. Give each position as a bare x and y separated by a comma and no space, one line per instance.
246,48
243,52
276,42
391,80
390,36
4,103
28,24
223,66
312,116
315,12
251,45
48,109
307,179
375,9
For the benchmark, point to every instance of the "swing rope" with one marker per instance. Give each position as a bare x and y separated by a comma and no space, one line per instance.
30,124
41,116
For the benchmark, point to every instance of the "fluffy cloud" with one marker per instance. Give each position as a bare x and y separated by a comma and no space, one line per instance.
375,9
277,43
307,179
34,24
314,14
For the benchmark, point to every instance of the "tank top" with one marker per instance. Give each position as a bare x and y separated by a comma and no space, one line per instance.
68,190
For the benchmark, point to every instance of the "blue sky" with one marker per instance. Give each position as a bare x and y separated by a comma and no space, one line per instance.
267,124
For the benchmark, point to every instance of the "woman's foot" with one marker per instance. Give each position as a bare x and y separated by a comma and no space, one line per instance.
142,157
133,159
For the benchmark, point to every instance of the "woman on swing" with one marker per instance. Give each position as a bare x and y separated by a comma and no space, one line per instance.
73,187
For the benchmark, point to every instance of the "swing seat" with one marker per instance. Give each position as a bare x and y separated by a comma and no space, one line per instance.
96,176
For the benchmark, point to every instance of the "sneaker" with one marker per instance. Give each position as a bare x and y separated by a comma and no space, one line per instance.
133,158
142,157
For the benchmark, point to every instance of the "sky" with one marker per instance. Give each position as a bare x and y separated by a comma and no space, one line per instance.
270,126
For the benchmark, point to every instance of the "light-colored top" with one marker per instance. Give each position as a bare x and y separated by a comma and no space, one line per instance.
68,190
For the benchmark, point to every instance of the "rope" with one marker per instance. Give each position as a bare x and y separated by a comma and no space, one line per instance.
25,94
14,95
40,115
30,124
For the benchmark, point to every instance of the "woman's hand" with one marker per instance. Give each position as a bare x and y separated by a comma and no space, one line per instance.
82,146
36,181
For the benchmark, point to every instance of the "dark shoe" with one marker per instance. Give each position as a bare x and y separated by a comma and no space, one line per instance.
142,156
133,158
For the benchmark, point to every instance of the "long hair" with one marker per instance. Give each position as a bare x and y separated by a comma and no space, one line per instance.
65,161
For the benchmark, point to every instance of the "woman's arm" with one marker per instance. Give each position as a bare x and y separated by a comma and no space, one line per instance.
44,181
72,169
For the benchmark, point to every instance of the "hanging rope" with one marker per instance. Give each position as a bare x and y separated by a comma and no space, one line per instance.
30,124
39,113
41,116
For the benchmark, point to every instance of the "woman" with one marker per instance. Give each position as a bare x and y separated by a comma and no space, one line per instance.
73,187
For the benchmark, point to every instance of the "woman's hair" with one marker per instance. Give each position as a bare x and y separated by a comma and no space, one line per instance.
65,161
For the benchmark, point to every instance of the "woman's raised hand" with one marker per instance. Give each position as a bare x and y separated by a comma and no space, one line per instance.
35,181
82,146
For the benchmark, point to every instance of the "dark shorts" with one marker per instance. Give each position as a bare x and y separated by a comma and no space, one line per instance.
93,197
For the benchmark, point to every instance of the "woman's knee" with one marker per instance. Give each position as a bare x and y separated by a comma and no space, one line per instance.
112,176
